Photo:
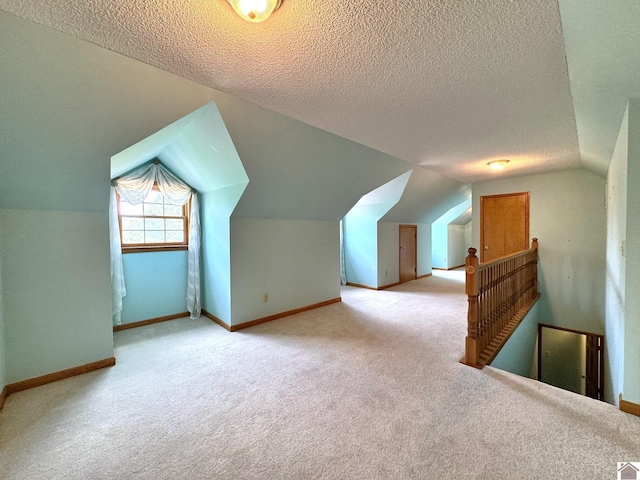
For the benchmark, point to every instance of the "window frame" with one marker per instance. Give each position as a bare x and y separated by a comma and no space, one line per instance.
155,247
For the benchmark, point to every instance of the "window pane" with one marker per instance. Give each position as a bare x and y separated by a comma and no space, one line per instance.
127,209
153,209
154,197
154,224
132,237
175,236
174,224
172,211
132,223
154,236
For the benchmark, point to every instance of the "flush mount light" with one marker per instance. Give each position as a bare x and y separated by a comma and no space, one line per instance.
255,10
498,164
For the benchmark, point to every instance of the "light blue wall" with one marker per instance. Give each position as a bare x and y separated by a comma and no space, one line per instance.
67,107
156,285
442,248
388,249
389,252
567,215
198,149
216,209
456,247
631,379
622,335
57,294
426,197
519,354
361,242
295,262
361,246
424,249
616,271
66,127
3,360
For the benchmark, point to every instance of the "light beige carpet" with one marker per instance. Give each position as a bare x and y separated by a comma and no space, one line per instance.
369,388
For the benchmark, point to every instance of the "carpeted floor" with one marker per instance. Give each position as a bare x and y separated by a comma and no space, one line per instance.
369,388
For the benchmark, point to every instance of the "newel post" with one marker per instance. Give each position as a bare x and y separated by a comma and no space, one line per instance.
471,289
534,243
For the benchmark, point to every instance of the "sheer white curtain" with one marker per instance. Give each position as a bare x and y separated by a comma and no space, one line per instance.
134,188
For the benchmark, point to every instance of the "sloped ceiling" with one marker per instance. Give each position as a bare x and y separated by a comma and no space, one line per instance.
197,148
427,188
444,85
71,109
602,39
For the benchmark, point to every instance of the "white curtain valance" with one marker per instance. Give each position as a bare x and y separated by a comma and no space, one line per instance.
134,188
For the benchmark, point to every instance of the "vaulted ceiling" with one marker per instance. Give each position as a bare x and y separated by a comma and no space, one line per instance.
447,85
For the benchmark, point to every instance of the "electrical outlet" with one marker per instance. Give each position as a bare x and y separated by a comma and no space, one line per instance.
266,297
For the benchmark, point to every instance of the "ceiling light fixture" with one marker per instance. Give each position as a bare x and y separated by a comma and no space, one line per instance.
498,164
255,10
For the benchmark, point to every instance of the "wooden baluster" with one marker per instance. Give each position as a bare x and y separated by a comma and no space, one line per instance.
517,285
482,307
471,342
506,292
503,298
498,300
496,292
534,293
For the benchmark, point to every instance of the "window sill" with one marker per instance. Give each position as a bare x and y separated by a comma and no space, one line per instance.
155,248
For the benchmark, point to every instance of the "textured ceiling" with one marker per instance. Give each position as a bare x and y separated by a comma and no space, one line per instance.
448,85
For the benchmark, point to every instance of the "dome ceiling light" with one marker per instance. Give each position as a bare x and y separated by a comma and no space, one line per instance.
255,10
498,165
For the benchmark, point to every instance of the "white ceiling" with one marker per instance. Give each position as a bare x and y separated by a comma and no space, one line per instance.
448,85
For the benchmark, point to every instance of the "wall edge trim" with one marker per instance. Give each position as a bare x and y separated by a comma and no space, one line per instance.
150,321
424,276
56,376
361,286
447,269
258,321
382,287
276,316
215,319
3,396
629,407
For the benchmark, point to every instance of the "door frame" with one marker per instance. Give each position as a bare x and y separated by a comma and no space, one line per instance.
594,359
526,218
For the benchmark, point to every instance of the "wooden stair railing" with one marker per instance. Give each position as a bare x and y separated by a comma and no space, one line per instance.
500,293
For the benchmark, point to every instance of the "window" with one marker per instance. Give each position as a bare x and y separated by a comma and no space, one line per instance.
153,224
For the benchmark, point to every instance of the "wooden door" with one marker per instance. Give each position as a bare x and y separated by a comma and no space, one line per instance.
408,252
504,225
